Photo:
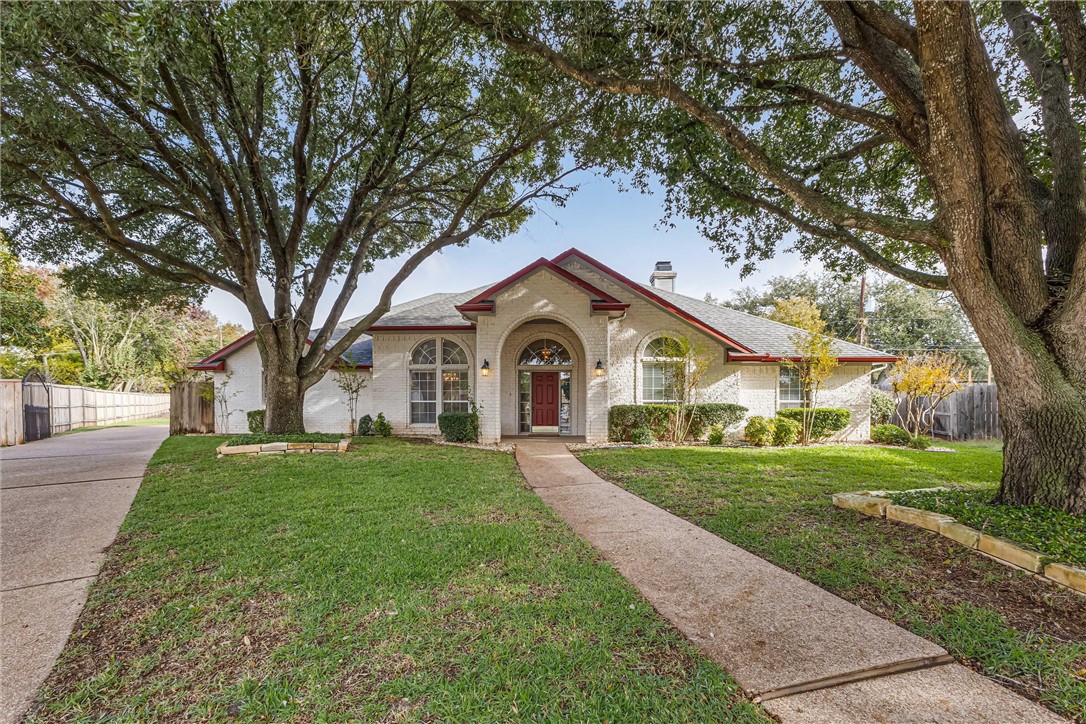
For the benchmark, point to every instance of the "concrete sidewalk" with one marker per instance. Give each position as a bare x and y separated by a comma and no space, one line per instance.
61,503
806,654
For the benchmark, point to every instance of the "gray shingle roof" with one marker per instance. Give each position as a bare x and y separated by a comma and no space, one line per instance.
762,335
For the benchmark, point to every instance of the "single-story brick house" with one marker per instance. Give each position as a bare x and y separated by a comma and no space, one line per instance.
549,350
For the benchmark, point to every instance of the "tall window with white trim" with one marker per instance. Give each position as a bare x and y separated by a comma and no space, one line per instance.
790,390
426,367
658,371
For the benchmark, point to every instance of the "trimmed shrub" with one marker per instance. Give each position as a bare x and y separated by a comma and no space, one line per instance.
920,442
381,426
785,431
365,426
705,415
827,420
642,436
459,426
716,435
759,431
890,435
256,421
624,419
883,405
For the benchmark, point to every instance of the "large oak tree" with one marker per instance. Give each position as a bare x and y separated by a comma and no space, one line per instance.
270,150
939,141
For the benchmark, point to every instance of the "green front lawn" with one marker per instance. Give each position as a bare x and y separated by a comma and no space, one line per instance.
397,581
776,503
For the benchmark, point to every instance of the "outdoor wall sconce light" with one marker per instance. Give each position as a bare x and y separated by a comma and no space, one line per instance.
485,369
599,368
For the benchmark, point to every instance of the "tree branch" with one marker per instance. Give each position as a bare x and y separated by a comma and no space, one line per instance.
833,210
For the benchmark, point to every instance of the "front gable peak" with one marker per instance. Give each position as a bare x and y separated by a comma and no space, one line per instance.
484,302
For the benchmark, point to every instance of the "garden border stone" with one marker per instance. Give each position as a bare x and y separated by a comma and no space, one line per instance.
282,448
915,516
1007,551
1070,576
871,503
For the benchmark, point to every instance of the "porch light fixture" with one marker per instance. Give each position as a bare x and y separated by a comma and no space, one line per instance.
485,369
599,368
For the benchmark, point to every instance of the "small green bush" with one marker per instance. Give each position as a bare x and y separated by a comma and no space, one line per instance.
705,415
890,435
381,426
716,435
256,421
624,419
459,426
785,431
920,442
263,438
883,405
759,431
642,436
365,426
827,420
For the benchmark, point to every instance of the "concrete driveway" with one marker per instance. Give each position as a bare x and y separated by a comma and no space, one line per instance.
61,503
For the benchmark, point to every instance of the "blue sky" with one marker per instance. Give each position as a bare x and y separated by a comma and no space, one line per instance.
619,228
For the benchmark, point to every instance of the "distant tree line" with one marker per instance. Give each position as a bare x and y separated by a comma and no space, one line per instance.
902,318
81,339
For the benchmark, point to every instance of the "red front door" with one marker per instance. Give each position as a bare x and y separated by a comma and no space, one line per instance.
545,399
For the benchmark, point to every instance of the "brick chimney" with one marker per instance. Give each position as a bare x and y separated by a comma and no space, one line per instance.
662,277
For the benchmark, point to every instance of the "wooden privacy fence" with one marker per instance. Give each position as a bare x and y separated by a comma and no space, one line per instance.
971,413
192,409
71,407
11,412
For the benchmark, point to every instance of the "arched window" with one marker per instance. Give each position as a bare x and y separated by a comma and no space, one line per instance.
425,371
545,352
659,366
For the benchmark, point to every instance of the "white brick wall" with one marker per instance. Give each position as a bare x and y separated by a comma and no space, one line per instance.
849,387
391,385
325,406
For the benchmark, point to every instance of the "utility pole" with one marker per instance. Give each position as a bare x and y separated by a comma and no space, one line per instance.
860,330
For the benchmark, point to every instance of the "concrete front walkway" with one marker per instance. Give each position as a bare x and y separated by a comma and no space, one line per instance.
806,654
61,503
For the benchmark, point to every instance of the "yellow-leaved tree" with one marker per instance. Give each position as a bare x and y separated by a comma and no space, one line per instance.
926,381
815,354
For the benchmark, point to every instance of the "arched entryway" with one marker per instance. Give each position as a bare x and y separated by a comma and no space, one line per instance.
545,394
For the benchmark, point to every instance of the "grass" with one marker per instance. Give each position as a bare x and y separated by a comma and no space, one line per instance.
143,422
1060,536
398,581
262,438
776,504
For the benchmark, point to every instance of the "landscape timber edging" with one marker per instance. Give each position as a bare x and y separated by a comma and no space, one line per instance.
872,504
283,448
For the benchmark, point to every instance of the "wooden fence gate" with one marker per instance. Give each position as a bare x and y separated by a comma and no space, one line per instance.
35,407
192,408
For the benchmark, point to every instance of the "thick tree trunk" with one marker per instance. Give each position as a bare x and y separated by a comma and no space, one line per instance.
1042,406
284,388
284,399
1044,451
